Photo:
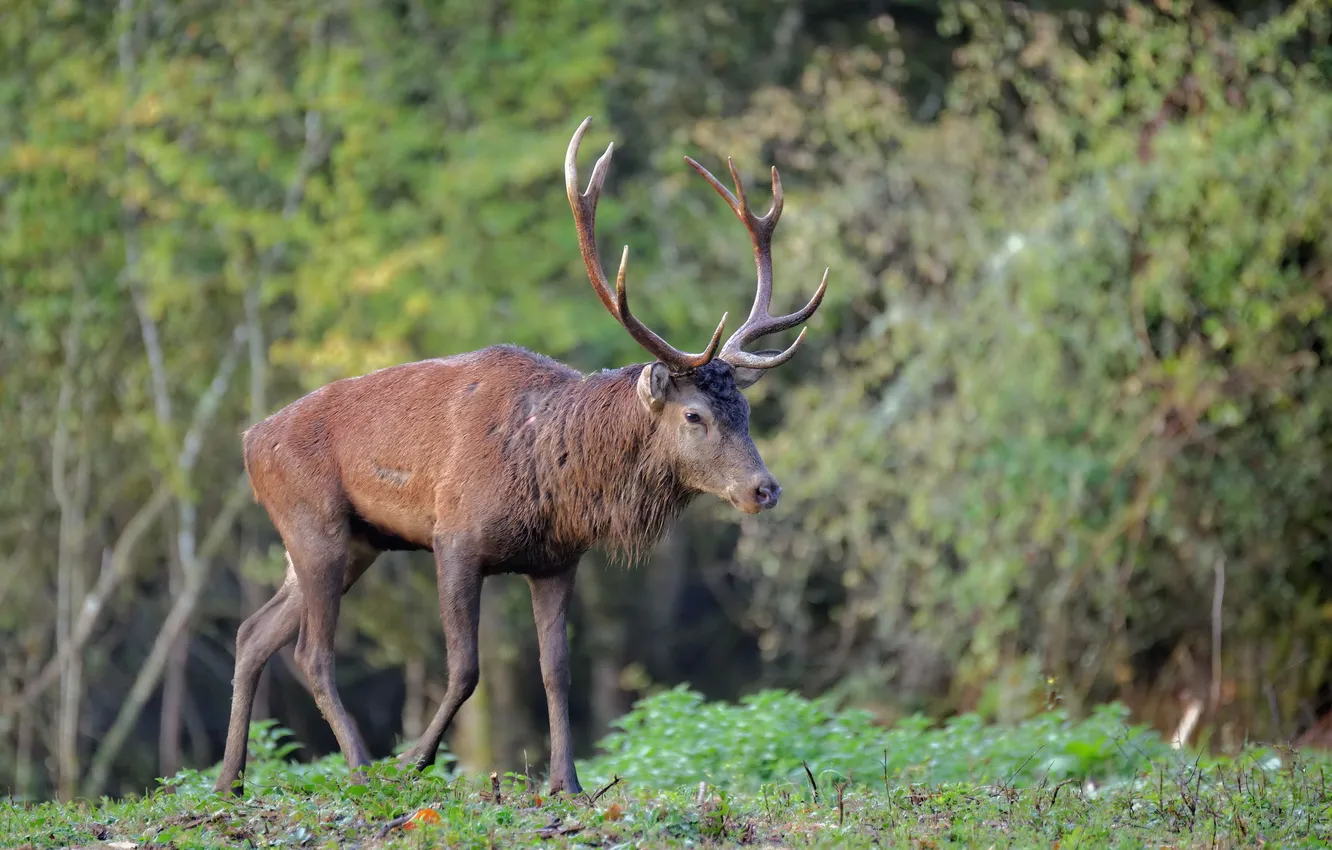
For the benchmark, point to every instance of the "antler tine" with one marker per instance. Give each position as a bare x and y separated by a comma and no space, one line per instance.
584,206
760,323
692,361
734,354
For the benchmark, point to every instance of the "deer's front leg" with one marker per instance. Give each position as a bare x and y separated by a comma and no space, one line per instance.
458,572
550,606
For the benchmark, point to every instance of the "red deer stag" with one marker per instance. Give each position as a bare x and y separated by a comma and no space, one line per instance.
500,461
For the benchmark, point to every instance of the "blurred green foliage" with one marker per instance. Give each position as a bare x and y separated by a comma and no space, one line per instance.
1081,373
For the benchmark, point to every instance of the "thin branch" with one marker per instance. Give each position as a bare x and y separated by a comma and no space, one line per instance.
191,565
218,532
609,785
152,343
254,327
152,340
206,409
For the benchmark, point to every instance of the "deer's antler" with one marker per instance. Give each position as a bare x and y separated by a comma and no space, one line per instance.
584,206
760,323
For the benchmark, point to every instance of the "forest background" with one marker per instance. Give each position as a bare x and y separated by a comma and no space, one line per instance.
1059,433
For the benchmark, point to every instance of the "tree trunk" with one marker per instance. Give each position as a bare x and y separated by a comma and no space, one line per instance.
470,738
24,775
414,704
196,731
71,495
173,702
173,684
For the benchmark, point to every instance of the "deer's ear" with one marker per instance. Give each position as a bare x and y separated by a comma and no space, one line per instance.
746,377
652,384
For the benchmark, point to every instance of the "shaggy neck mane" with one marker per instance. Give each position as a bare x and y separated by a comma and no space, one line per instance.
596,470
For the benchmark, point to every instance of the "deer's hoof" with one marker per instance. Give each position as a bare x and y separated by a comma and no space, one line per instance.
569,789
409,762
228,787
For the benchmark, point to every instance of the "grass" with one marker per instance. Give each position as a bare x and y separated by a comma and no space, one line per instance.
777,777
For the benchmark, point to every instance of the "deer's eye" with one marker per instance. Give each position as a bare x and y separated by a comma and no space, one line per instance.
692,418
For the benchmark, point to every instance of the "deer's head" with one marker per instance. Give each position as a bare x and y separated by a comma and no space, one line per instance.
702,420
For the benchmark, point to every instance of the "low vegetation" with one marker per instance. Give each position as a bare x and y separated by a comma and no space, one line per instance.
774,770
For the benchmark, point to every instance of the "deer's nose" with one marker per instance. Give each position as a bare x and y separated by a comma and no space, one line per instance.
767,493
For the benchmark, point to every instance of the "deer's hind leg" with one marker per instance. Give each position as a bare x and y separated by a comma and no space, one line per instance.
324,558
263,633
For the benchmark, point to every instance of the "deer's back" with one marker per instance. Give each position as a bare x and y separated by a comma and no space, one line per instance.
400,447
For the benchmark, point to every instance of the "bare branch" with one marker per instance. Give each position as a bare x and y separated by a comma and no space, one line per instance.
152,340
206,409
117,567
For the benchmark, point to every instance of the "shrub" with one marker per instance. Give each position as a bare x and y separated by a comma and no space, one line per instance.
676,738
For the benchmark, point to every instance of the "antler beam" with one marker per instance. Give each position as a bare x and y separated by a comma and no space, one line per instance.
584,205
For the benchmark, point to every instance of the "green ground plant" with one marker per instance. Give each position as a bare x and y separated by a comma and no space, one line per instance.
676,738
774,770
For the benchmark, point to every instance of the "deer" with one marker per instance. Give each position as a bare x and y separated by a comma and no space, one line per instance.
500,461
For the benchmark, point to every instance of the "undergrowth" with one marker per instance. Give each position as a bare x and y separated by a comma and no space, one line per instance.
774,769
676,738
